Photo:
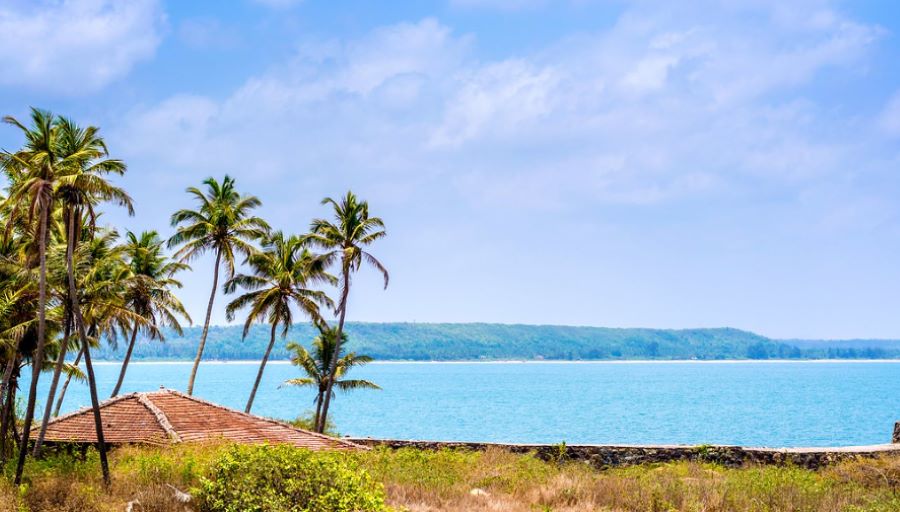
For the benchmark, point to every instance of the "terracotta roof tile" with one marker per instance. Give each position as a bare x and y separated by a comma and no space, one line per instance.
168,416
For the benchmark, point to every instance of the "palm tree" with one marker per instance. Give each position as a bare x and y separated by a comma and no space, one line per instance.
281,275
344,239
317,364
148,291
33,172
223,225
81,185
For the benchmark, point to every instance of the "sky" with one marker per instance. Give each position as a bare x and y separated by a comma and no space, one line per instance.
582,162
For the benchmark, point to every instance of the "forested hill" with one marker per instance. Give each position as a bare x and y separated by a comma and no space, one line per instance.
446,342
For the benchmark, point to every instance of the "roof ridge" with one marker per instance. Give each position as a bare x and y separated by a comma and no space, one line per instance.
262,418
161,417
89,408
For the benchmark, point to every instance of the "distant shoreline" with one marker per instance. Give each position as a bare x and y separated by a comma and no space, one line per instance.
543,361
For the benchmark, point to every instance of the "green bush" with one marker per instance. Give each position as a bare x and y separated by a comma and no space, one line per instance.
287,479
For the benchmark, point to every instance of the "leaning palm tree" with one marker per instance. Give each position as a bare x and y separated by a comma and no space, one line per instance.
222,224
317,364
343,240
148,292
281,276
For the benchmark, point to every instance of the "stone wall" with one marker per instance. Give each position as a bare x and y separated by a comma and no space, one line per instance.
616,455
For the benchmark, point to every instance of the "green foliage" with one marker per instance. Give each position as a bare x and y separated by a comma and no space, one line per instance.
284,478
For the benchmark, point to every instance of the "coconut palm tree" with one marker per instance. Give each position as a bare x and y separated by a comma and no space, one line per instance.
223,224
32,172
149,291
281,276
81,185
344,240
317,364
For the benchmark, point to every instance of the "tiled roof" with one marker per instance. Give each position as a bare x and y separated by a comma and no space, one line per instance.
168,416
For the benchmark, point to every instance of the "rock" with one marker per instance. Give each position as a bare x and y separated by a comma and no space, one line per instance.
180,496
479,492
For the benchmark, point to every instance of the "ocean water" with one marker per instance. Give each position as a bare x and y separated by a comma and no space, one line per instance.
743,403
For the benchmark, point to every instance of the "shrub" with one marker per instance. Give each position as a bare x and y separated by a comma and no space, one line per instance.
287,479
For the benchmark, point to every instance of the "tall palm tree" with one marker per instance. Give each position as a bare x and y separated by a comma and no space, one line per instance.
281,274
33,172
224,225
149,291
344,240
81,185
317,364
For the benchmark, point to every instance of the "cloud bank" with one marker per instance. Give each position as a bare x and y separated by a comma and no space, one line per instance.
74,47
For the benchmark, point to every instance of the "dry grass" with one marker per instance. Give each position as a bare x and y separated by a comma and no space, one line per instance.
418,481
421,481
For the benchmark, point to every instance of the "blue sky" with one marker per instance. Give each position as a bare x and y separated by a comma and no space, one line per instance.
614,163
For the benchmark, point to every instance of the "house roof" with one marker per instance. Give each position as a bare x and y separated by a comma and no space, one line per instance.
168,416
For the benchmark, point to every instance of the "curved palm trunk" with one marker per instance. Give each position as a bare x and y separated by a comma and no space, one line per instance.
320,428
212,296
62,392
262,367
38,355
85,344
125,362
60,361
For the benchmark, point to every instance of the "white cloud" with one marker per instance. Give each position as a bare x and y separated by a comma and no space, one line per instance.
75,46
669,103
502,96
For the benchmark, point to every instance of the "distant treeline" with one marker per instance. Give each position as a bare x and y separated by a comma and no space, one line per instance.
448,342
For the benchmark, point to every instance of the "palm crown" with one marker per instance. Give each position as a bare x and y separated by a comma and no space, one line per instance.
352,230
222,223
281,275
148,291
316,365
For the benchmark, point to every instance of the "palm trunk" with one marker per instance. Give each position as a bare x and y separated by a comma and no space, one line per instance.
85,344
62,392
212,296
95,404
7,376
60,362
320,428
125,362
262,367
318,408
7,412
38,356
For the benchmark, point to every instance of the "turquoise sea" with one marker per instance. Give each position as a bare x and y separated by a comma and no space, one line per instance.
745,403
